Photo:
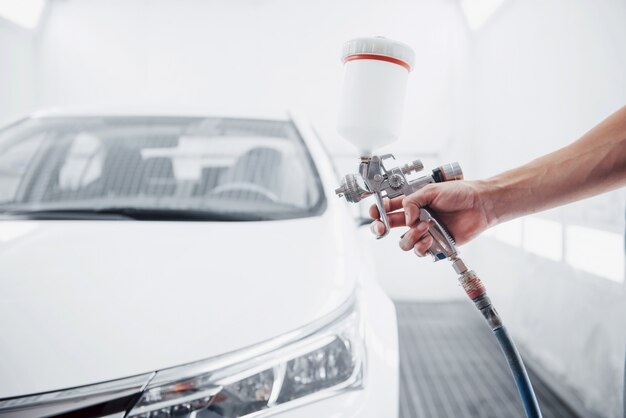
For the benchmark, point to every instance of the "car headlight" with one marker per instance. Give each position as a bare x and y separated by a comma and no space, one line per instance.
320,360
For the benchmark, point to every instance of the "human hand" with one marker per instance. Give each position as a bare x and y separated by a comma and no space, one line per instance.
463,207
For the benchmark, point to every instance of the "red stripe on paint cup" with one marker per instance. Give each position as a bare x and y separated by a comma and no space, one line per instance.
377,57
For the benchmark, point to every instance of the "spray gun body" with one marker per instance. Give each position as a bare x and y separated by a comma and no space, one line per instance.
374,179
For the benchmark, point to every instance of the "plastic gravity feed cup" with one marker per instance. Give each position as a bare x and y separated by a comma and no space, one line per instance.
373,92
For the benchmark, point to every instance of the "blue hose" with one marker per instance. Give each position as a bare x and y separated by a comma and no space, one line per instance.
477,293
518,370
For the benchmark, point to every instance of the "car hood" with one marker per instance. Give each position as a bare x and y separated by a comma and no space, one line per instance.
83,302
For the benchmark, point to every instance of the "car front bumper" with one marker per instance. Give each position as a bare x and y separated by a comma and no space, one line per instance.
375,396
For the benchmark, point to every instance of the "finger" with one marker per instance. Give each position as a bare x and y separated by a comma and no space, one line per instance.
413,202
390,206
374,212
422,246
377,228
395,220
413,235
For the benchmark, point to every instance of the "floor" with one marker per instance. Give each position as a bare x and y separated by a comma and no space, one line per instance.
451,367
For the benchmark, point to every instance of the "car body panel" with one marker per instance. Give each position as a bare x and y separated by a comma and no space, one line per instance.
83,302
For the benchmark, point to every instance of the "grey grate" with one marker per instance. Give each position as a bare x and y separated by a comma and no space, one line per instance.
452,367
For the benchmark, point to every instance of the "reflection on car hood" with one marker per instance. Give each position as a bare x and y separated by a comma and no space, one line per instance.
86,301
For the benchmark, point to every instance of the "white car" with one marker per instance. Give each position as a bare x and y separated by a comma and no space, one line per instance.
184,266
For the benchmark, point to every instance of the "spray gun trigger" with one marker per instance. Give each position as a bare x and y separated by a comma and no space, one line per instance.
383,214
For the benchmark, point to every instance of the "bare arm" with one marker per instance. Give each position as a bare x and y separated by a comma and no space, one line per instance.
594,164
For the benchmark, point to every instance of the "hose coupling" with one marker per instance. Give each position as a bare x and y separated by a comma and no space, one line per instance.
471,284
483,304
458,265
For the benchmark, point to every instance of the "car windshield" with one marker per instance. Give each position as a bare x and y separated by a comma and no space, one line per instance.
254,169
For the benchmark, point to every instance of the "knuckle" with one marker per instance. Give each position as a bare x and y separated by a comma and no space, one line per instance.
410,200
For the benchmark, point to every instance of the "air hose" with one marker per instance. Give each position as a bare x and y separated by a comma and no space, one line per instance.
476,291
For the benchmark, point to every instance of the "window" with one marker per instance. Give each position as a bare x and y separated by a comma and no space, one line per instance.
196,164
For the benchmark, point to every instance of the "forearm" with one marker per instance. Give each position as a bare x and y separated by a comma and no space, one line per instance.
594,164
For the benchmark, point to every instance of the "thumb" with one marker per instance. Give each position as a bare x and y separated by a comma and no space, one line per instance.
419,199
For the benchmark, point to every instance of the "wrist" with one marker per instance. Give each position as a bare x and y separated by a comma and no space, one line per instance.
490,199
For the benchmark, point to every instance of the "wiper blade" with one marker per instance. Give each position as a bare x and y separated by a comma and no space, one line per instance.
134,213
61,214
159,214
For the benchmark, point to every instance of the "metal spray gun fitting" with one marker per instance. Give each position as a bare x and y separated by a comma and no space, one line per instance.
375,179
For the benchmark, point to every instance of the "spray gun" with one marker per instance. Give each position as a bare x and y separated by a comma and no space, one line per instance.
375,179
375,77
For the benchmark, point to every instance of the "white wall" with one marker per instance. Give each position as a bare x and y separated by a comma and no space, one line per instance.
17,70
245,55
543,73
